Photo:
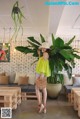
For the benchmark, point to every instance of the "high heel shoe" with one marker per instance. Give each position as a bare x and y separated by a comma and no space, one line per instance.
44,110
41,108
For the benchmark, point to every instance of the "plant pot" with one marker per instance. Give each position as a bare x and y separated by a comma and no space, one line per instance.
16,10
53,90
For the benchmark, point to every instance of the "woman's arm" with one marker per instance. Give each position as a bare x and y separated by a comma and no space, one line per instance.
38,51
45,55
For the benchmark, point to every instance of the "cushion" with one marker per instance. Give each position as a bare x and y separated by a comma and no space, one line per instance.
69,88
4,79
77,75
23,80
32,78
2,74
18,74
76,81
67,81
28,88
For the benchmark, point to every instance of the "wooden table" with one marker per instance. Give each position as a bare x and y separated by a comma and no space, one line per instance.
18,91
8,99
10,96
72,94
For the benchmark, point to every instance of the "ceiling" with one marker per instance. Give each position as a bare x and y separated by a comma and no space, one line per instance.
60,20
35,12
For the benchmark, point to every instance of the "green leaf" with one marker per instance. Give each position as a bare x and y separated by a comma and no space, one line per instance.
42,38
53,40
70,41
22,15
60,78
34,41
24,49
66,47
58,42
34,45
76,56
19,18
67,54
68,68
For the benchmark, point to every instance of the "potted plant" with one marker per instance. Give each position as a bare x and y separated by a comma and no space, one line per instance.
61,56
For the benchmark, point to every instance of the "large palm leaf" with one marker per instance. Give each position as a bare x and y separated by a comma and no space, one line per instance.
42,38
34,41
24,50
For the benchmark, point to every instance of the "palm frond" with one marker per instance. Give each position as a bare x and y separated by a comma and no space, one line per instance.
70,41
34,41
76,56
53,39
33,44
25,50
42,38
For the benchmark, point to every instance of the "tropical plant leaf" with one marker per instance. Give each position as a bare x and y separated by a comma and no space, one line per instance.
42,38
58,42
68,68
67,54
60,78
73,63
53,39
33,44
70,41
76,56
25,50
34,41
66,47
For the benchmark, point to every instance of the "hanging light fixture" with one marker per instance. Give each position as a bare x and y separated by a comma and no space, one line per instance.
4,37
9,35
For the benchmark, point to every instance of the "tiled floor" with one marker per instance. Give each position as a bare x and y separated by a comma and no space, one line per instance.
56,109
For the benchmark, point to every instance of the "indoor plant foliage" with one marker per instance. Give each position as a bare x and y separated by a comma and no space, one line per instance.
61,56
17,17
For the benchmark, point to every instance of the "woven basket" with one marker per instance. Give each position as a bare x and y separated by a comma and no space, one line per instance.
41,83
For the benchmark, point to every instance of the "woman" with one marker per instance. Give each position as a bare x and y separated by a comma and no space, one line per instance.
42,72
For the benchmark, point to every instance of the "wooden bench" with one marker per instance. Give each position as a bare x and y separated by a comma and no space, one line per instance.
28,92
28,95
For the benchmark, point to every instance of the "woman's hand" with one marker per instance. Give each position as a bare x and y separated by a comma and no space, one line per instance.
41,76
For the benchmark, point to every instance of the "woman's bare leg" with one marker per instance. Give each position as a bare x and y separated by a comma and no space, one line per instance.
44,98
38,94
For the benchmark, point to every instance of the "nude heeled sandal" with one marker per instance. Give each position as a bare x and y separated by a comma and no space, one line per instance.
41,108
44,110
